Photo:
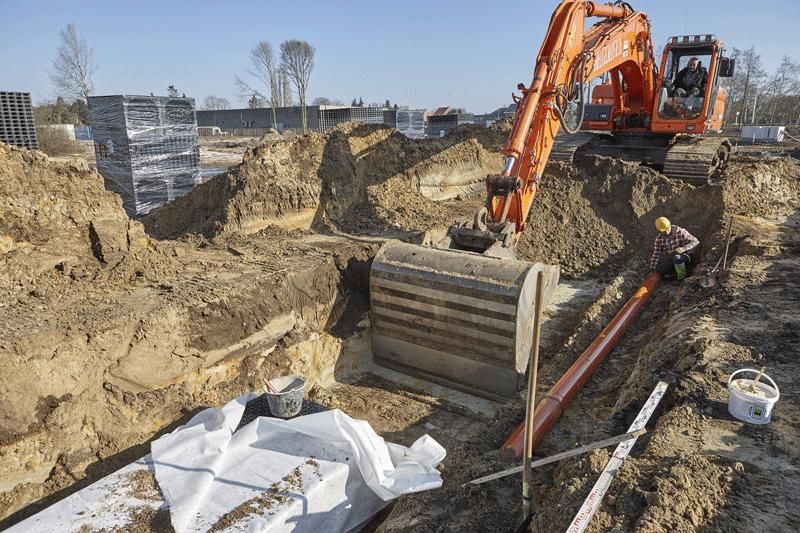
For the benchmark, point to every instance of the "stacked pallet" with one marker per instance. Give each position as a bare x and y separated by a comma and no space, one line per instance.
16,120
146,148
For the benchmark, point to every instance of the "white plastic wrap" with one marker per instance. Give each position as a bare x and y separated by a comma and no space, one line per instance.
319,472
146,148
205,470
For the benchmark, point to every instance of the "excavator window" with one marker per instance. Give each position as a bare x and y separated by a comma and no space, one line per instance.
684,85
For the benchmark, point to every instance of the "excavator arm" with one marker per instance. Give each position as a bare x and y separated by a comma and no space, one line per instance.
460,312
620,44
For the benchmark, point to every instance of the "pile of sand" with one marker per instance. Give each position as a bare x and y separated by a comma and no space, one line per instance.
357,178
56,216
597,215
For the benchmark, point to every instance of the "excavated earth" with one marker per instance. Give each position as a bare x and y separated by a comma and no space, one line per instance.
113,331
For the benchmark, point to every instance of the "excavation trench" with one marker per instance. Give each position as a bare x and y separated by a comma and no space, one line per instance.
128,334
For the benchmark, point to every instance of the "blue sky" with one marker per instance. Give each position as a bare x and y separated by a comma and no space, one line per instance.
422,54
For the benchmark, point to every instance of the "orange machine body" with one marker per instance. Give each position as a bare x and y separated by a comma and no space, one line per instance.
636,97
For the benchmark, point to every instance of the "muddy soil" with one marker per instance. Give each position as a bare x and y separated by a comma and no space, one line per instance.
113,331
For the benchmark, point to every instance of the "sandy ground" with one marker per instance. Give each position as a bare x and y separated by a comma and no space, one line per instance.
113,331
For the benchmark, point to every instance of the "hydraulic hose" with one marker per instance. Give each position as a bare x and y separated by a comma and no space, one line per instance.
579,73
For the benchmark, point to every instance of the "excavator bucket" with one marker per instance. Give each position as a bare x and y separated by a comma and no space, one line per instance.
457,318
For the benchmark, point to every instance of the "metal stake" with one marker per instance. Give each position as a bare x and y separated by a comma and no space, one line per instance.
527,474
727,244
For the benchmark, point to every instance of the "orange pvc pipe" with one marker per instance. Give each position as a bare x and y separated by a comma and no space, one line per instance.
555,402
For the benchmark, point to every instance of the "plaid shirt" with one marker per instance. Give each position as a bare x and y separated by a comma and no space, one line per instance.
667,243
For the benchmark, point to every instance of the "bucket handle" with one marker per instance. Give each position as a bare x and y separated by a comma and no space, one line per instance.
754,371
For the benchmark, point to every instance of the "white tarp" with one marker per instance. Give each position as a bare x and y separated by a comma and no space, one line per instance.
320,472
348,472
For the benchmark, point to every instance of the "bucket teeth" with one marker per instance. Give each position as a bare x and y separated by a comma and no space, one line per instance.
454,317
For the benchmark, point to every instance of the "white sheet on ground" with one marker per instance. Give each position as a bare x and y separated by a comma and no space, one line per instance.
205,470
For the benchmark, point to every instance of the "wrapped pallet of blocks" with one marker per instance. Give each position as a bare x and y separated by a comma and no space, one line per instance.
16,120
146,148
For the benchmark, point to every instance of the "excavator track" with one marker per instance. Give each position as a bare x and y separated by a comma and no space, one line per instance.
565,146
696,159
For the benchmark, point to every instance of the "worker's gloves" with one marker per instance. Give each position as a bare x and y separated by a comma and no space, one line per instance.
680,250
695,91
680,92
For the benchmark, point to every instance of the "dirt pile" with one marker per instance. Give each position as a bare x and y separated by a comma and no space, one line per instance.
357,178
107,336
595,217
60,213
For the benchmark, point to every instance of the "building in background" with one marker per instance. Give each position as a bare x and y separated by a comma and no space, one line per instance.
16,120
288,118
410,122
498,114
253,122
444,119
413,123
146,148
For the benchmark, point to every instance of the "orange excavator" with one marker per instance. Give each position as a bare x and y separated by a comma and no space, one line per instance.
459,311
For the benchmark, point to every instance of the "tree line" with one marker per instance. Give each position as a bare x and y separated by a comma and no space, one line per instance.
759,97
755,96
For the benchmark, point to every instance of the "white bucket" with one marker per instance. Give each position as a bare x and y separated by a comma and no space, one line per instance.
752,407
288,401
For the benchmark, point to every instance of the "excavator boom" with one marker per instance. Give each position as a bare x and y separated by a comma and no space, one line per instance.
459,312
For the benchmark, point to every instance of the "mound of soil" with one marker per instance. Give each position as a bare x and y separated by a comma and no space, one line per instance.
357,178
594,217
56,216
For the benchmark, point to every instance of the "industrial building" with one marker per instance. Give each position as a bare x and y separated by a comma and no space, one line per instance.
410,122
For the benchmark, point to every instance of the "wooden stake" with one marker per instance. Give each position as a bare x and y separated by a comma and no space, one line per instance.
727,244
527,475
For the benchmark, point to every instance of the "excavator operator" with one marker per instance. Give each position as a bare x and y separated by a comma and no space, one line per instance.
691,80
678,244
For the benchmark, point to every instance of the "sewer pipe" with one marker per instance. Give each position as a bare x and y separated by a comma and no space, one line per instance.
555,402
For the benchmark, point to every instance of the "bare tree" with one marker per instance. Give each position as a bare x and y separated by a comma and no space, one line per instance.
286,90
780,85
213,103
753,75
73,65
263,68
297,60
321,101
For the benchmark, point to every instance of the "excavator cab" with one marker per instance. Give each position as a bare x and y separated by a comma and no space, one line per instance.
691,99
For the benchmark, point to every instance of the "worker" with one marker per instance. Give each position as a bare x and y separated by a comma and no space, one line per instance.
677,247
691,80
